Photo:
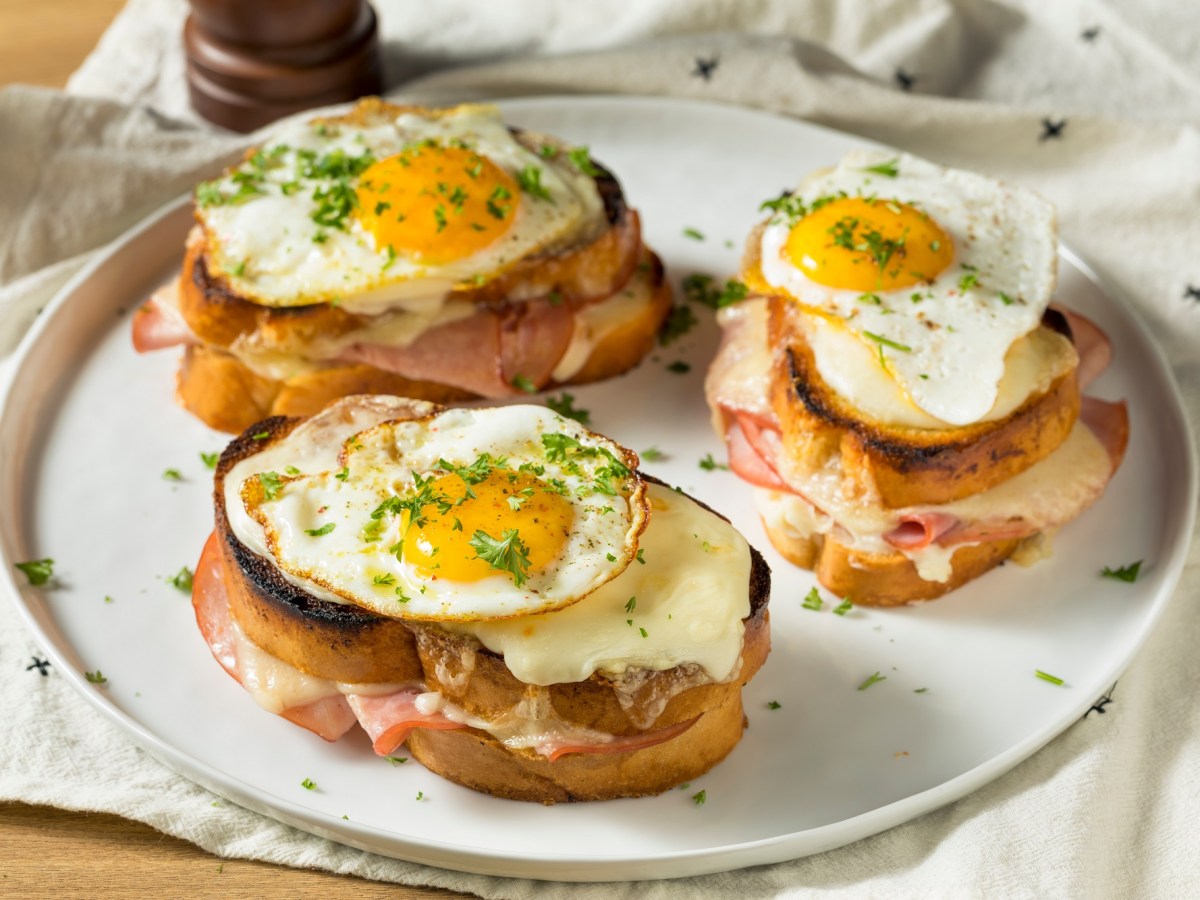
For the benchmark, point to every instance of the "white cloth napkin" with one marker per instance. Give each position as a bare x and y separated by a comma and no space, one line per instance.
1095,104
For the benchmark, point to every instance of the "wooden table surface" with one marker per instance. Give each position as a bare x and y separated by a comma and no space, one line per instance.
48,852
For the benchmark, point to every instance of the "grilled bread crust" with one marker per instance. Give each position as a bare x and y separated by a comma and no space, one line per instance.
348,644
903,466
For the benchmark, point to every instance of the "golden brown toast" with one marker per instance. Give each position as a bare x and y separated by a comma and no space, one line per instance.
347,644
901,466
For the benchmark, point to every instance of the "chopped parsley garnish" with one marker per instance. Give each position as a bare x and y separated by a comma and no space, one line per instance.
842,608
610,557
1125,573
873,679
386,579
967,282
679,367
476,471
308,784
260,435
38,571
514,502
693,234
708,464
391,257
638,556
530,180
322,531
582,160
181,580
96,677
774,704
631,605
1046,676
508,554
813,600
846,234
652,454
920,690
172,475
520,382
271,484
565,406
420,795
238,270
1004,298
786,207
700,288
699,798
401,596
397,760
887,169
885,342
342,474
643,632
679,322
871,298
291,470
547,151
210,459
108,599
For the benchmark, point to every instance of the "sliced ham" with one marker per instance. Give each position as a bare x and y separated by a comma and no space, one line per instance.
552,749
1091,343
745,460
159,323
390,718
1110,423
918,530
329,717
483,353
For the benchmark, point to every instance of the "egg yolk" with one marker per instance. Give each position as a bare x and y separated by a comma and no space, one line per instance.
861,244
435,203
438,543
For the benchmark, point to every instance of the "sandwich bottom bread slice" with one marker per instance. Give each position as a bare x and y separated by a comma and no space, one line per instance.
615,670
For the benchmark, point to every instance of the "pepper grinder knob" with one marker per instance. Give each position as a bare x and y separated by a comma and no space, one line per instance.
249,63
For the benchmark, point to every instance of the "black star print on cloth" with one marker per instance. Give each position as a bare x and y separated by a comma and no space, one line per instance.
1191,292
1052,129
1098,706
705,67
1090,34
40,664
905,80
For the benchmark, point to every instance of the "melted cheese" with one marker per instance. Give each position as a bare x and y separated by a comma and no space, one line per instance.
689,597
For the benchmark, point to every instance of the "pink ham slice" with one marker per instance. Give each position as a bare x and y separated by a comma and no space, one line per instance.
745,458
1110,423
483,353
1091,343
389,718
159,324
329,717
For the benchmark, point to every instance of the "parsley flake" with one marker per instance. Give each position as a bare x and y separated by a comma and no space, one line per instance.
322,531
885,342
96,677
209,459
887,169
693,234
582,160
699,798
700,288
813,600
639,556
1046,676
631,605
530,180
508,554
774,704
873,679
308,784
182,580
172,475
271,484
524,384
842,608
565,406
387,578
652,454
397,760
679,322
38,571
1127,573
708,464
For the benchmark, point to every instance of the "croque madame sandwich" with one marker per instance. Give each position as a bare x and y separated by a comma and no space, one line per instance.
898,389
430,253
499,588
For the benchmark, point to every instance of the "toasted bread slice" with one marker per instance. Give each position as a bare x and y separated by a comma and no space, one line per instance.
898,465
344,643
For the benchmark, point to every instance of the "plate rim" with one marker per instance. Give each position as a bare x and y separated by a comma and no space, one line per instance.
32,608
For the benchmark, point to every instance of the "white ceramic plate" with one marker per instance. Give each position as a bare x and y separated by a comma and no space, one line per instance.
89,426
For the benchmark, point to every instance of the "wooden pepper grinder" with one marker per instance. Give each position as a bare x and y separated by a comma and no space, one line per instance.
250,62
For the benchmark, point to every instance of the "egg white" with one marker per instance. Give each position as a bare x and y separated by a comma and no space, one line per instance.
946,350
385,460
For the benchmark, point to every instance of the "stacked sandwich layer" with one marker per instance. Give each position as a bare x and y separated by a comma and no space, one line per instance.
436,254
898,388
498,588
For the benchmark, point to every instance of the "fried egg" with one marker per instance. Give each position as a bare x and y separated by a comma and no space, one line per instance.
938,271
464,515
397,206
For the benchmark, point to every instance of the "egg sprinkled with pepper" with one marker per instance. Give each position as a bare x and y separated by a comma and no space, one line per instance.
938,271
392,206
465,515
